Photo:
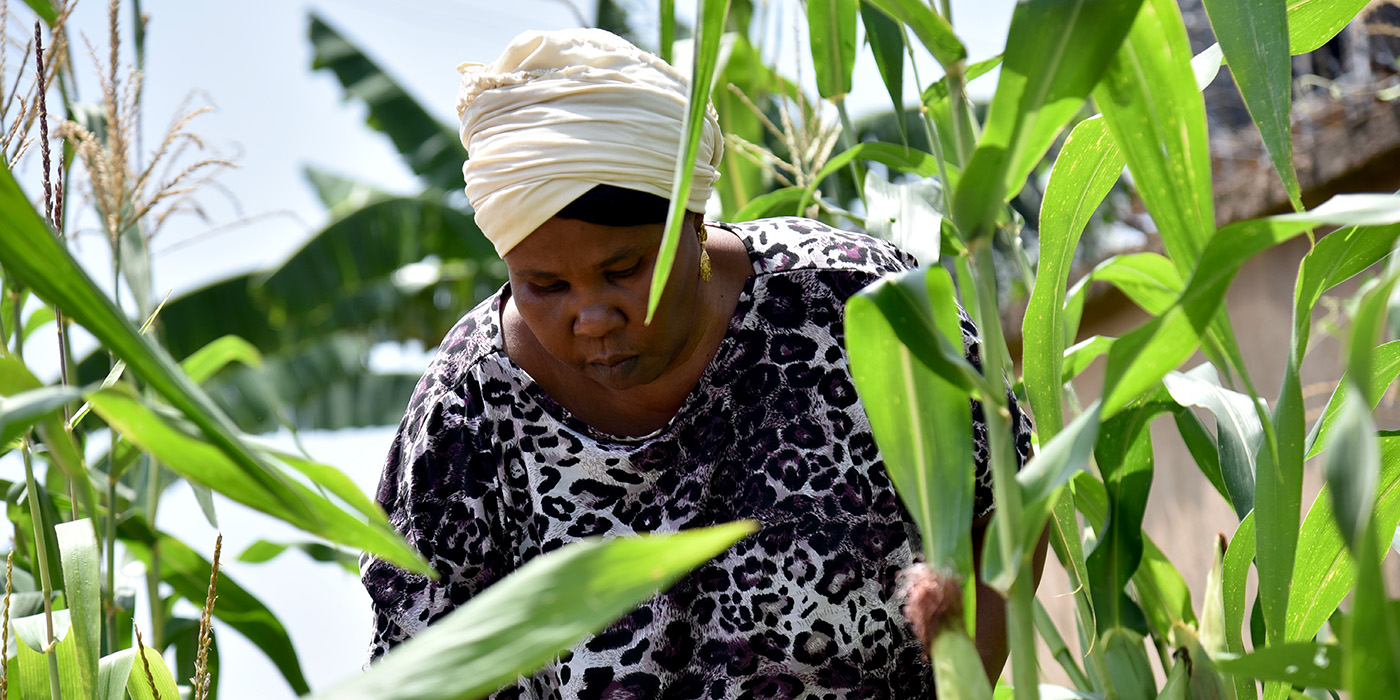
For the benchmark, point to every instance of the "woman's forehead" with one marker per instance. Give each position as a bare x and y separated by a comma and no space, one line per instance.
563,245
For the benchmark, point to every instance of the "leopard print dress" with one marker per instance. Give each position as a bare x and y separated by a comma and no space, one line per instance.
487,472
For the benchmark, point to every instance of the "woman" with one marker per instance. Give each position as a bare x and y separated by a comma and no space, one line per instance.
553,412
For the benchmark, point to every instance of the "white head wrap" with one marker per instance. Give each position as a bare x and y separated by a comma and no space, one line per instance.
560,112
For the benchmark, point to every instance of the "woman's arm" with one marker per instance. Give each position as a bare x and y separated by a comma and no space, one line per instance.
991,607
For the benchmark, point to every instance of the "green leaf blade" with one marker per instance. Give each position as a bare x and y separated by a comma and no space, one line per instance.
1254,38
531,615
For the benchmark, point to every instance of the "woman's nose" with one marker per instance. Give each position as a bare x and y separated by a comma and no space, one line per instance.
598,319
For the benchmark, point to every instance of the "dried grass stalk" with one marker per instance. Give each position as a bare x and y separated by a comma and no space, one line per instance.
5,625
145,663
201,679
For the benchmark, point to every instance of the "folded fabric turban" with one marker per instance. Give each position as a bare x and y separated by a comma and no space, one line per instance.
560,112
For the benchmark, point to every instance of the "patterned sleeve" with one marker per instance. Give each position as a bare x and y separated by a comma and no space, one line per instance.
439,490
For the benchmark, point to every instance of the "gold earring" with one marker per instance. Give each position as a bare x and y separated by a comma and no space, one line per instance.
705,273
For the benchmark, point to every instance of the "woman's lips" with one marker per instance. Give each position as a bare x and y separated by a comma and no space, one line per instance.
615,366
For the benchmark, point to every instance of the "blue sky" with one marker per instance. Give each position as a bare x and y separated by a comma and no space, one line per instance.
250,61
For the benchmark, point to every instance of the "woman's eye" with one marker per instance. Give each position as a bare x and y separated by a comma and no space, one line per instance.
623,274
555,288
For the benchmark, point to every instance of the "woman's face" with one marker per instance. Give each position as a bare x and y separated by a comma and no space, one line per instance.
582,290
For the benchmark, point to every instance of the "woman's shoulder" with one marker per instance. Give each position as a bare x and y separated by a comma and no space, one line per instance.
786,244
474,338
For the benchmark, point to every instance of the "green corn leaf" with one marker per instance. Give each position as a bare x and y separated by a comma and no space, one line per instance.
1238,557
1059,52
188,574
44,9
431,148
709,27
1140,359
895,156
1088,165
1069,549
1353,469
1124,455
776,203
922,423
904,301
957,666
113,672
1178,684
139,686
1336,258
1305,664
41,317
1373,659
1129,672
531,615
1302,664
1157,116
1081,355
668,29
31,254
1165,597
264,551
931,28
1253,39
886,40
77,548
1148,279
1239,433
1385,363
202,463
33,663
937,91
1043,478
22,410
208,360
1202,446
831,26
1312,23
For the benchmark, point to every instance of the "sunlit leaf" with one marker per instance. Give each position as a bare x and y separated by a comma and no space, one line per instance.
930,27
1157,116
1059,52
1239,433
905,214
201,462
886,40
31,254
528,617
213,357
1312,23
77,547
709,27
1252,36
1326,572
922,423
1088,165
139,685
831,28
1385,367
